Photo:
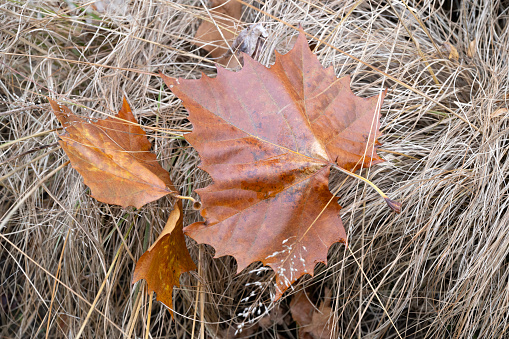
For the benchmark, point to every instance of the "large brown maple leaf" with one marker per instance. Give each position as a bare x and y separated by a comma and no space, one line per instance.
268,137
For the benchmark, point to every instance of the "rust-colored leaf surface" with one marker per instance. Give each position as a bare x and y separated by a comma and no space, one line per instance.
114,157
268,137
163,263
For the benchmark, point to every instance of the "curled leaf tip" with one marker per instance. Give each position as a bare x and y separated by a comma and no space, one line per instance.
394,205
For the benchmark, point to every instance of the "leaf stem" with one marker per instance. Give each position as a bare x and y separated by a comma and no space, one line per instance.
196,204
393,205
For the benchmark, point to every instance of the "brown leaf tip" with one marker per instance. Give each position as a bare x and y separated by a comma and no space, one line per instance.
394,205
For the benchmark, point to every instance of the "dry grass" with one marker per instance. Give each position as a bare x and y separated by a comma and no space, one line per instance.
439,269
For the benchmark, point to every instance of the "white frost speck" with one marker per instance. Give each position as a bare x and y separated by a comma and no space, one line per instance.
273,254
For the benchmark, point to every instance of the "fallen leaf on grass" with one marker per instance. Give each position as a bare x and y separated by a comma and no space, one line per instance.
163,263
214,37
314,323
276,316
472,48
499,112
453,52
113,157
250,41
112,7
268,137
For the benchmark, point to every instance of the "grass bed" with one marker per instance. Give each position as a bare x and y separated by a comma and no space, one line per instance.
439,269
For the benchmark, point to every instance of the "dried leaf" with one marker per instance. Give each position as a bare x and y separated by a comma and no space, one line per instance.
472,48
112,7
302,310
164,262
313,322
499,112
268,137
453,52
250,41
233,332
276,316
113,157
213,38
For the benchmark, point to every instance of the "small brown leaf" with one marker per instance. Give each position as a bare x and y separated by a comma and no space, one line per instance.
499,112
112,7
211,37
113,157
453,52
250,41
276,316
302,310
313,322
164,262
472,48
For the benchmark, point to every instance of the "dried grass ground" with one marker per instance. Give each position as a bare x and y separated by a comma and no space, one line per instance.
439,269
